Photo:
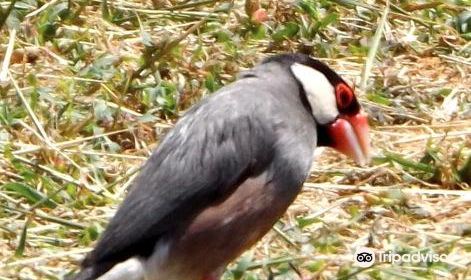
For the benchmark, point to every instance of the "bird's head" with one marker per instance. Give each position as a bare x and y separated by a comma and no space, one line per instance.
341,123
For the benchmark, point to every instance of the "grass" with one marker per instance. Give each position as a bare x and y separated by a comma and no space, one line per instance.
89,87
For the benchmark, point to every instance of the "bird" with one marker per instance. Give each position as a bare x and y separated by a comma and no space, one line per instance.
228,170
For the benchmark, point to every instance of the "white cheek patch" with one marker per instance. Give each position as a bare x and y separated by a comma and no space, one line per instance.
319,91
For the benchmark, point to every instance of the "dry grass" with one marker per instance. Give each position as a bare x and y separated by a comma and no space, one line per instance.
83,102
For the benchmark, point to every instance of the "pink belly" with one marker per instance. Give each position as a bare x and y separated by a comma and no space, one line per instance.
224,231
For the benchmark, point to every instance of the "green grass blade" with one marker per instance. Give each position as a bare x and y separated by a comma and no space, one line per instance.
22,242
409,163
374,49
32,195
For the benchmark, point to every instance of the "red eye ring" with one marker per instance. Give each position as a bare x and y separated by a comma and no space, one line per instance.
343,95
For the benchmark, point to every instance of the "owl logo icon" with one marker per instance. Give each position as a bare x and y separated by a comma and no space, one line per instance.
364,257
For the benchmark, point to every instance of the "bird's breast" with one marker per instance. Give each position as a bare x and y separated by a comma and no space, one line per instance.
223,231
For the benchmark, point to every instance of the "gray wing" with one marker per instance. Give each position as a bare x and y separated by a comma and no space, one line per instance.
204,158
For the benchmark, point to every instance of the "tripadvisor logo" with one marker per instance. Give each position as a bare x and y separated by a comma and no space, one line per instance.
366,257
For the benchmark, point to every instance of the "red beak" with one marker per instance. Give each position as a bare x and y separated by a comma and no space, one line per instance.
350,135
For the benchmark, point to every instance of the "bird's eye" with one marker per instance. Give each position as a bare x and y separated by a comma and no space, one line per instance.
344,96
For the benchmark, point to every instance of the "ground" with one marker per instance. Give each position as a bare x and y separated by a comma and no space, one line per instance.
88,88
